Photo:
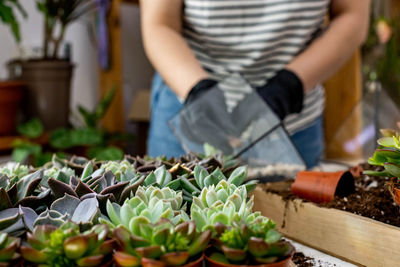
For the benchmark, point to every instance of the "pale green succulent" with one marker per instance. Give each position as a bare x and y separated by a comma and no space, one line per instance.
224,203
55,171
14,170
122,170
147,206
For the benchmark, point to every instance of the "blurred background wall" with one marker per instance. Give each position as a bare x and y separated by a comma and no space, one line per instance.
137,71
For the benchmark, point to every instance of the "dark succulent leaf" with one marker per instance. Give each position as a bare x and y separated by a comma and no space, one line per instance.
116,189
233,254
5,201
66,205
8,217
28,217
35,202
175,258
82,189
131,189
59,188
86,211
27,184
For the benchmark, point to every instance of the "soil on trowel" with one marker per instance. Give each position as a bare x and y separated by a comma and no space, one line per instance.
371,199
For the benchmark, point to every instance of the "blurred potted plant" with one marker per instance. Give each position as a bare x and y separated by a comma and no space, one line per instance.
49,77
381,52
10,91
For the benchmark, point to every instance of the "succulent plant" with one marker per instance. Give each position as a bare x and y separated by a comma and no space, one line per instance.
387,155
224,203
161,177
8,249
24,192
149,205
123,170
16,221
162,244
66,246
14,170
103,184
250,244
57,172
84,212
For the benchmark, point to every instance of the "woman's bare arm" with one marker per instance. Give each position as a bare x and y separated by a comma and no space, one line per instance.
347,31
165,46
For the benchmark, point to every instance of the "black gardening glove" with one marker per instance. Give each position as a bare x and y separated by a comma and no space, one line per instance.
200,88
283,93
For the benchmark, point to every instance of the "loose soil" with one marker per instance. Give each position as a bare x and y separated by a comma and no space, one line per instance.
371,199
301,260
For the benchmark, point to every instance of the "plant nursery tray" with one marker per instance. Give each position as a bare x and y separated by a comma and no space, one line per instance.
355,238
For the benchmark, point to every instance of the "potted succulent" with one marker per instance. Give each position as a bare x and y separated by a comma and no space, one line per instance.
161,244
387,155
67,246
10,91
49,77
256,244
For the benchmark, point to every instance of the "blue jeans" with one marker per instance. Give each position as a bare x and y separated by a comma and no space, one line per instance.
161,141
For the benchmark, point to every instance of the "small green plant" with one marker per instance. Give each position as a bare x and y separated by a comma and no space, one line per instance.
161,243
387,155
148,205
66,246
97,142
8,17
250,244
225,203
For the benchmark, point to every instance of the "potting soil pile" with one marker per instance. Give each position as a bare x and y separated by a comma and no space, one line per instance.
371,199
301,260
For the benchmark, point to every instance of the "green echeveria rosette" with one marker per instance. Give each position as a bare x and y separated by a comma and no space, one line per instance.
148,205
162,244
224,204
14,170
66,246
122,170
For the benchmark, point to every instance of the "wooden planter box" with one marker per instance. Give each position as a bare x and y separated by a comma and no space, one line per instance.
345,235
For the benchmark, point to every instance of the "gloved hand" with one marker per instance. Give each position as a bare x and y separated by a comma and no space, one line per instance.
283,93
205,119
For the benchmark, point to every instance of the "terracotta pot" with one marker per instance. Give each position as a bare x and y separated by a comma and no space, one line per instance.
10,99
396,193
155,263
323,186
48,91
212,263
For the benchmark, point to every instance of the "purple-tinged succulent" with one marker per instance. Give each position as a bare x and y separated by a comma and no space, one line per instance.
66,246
161,243
8,249
24,192
250,244
84,212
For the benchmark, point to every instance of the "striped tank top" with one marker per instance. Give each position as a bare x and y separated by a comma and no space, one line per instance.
255,39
